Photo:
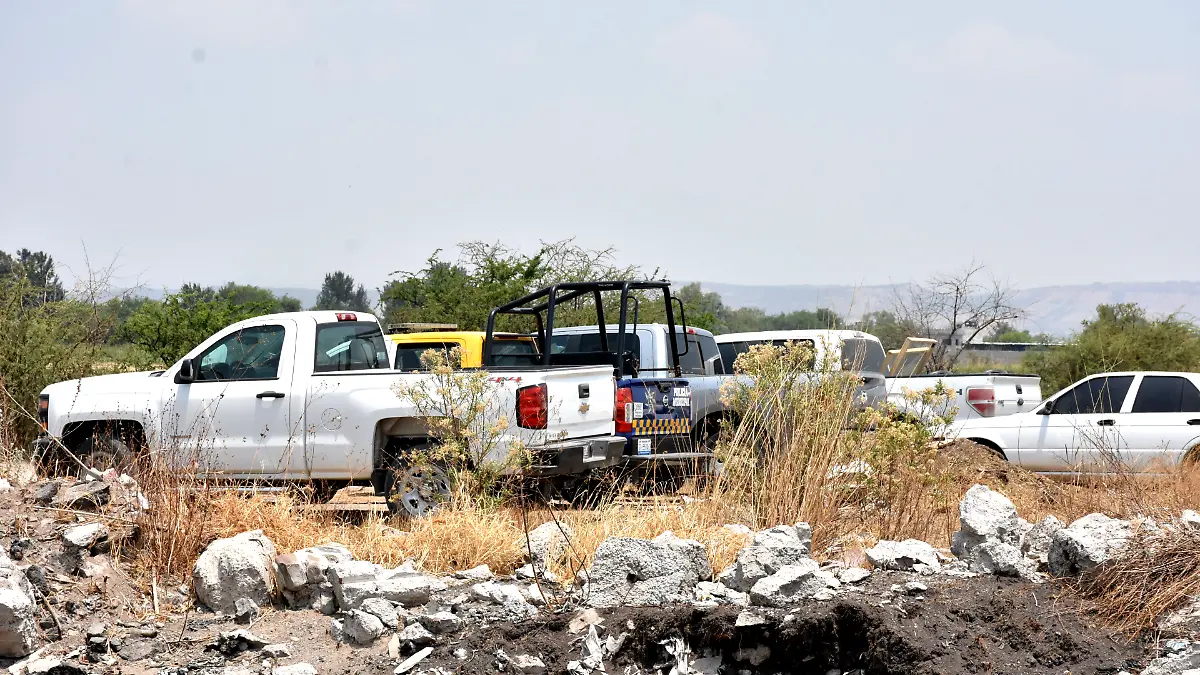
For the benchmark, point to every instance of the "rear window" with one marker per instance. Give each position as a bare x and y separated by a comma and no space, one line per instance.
692,361
728,354
859,355
408,355
590,342
731,350
350,345
507,352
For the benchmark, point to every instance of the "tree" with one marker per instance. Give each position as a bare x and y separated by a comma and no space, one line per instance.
1120,337
40,343
955,308
38,268
170,328
338,292
246,294
884,325
704,309
486,275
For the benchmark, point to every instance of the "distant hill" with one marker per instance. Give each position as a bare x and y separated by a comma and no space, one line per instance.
1057,310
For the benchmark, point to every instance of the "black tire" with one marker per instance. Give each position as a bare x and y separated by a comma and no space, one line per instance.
105,450
415,490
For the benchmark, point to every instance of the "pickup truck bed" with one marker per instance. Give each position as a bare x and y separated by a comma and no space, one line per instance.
976,395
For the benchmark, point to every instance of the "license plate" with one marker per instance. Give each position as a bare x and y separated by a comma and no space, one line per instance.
643,446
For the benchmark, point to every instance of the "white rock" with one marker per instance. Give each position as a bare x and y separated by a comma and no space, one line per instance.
1086,543
529,572
416,635
786,536
759,562
528,665
903,555
277,651
995,557
294,669
985,515
749,618
360,627
791,584
237,567
853,575
441,622
383,610
410,591
18,617
637,572
84,536
1036,542
1190,519
547,542
480,573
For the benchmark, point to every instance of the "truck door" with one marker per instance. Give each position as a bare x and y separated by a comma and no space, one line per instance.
1164,420
1081,432
235,417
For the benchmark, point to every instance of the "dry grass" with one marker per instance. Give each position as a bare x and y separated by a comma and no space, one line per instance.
780,468
1154,575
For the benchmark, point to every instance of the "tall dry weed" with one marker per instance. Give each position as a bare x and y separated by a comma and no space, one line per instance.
805,449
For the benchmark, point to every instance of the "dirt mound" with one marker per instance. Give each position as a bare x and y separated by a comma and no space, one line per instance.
977,625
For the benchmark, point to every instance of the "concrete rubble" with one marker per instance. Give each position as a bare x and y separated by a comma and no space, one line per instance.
413,618
233,568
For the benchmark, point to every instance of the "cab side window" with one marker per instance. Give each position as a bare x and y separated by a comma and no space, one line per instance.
1159,394
1099,396
408,355
249,354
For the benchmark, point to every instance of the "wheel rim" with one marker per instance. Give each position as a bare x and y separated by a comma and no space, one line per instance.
421,490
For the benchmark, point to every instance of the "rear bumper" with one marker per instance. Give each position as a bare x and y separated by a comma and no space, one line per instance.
664,448
577,456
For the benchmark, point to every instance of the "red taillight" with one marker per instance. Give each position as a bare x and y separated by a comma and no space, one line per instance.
43,411
622,413
982,400
346,316
532,408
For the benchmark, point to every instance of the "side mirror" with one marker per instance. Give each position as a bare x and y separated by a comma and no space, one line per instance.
1047,409
710,365
187,372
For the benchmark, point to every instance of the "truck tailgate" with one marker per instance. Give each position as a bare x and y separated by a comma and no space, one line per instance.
581,401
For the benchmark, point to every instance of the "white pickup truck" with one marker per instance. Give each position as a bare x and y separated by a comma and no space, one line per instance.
312,395
976,396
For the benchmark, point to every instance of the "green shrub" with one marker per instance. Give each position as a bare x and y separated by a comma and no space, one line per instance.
1121,337
40,343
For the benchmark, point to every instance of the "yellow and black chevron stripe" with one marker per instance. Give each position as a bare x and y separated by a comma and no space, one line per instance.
651,427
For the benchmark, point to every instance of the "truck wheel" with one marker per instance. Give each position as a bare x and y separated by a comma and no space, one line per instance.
415,491
104,450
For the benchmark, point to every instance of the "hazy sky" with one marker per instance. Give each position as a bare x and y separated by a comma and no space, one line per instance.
749,142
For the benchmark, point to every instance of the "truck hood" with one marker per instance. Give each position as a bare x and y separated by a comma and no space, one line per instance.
120,383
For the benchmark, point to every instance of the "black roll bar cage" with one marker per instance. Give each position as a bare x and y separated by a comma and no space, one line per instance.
547,299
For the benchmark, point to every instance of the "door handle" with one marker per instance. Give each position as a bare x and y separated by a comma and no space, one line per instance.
1105,423
1194,423
269,394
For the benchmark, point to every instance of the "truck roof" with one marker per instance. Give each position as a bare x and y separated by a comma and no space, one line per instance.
612,327
316,316
809,334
